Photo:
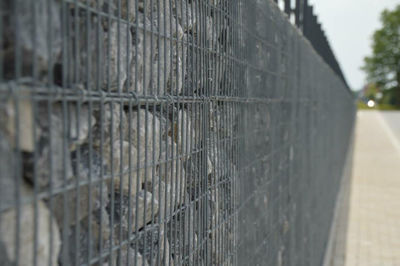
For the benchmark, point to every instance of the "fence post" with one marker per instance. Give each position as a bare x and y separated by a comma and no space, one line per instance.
297,13
288,8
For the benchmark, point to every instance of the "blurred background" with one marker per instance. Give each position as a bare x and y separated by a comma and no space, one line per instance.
365,36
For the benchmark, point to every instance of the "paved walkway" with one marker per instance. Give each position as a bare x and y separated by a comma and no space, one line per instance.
373,229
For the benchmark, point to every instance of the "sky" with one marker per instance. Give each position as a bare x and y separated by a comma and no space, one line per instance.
349,25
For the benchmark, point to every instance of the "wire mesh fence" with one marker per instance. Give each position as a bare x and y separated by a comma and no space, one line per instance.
165,132
294,143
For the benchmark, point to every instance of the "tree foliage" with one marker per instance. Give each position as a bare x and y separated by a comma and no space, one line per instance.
383,66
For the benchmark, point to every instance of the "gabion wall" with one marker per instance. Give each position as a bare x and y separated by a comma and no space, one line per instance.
165,132
296,128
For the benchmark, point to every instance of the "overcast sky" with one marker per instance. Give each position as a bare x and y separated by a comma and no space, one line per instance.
349,25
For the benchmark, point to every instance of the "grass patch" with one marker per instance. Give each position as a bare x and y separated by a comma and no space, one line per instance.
383,107
363,106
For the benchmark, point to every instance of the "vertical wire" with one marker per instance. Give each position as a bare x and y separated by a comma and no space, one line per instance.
98,85
171,160
145,87
231,40
146,160
33,135
159,31
112,175
193,43
108,52
2,18
175,134
197,136
168,196
215,77
183,152
157,161
129,135
164,170
190,182
120,171
135,244
89,88
165,44
224,139
17,180
77,187
130,171
138,177
102,140
153,149
196,187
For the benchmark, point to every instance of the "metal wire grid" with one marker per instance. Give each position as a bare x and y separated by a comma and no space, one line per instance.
117,154
293,144
130,122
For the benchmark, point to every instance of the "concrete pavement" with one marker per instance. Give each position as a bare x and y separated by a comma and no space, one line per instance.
392,119
372,232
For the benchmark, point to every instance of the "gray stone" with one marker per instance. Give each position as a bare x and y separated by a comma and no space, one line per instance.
167,258
126,180
175,82
33,27
161,59
97,195
89,3
156,59
7,174
135,258
128,13
142,52
185,137
161,66
52,149
77,199
75,251
214,2
211,33
216,71
171,169
101,53
192,83
8,116
117,43
111,120
149,242
85,47
167,116
217,63
87,164
164,59
166,196
196,175
186,14
5,260
180,231
220,161
80,122
146,136
44,228
216,219
144,214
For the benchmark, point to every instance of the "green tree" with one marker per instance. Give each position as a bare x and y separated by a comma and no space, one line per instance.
383,66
